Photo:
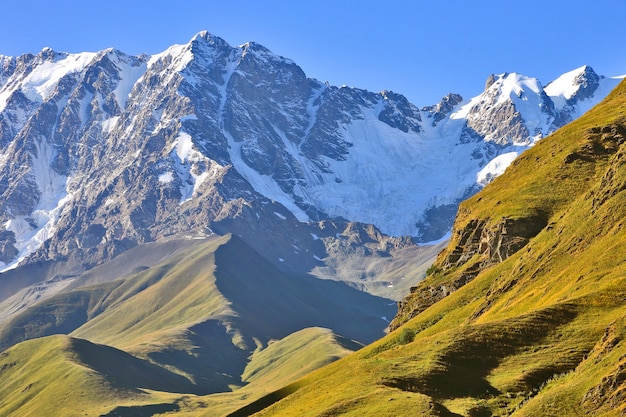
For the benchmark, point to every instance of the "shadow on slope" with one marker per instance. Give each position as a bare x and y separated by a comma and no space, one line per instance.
88,294
126,371
213,361
141,410
63,376
462,368
60,314
272,304
268,304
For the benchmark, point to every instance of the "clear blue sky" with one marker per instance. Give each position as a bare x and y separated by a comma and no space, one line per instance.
422,49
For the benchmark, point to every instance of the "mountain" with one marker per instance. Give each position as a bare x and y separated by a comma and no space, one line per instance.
198,304
523,314
211,316
215,213
104,151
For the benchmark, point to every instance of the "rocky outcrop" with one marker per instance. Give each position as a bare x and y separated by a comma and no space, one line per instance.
588,82
442,109
609,140
474,247
494,244
399,113
504,123
498,115
423,296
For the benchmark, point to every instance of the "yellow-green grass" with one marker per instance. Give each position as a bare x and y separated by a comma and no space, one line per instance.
176,292
288,359
175,315
495,365
61,375
280,363
44,377
151,306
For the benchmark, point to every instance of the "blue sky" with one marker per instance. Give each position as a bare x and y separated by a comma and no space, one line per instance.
421,49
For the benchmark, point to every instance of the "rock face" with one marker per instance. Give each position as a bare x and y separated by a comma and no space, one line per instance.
495,243
444,107
500,114
478,245
100,152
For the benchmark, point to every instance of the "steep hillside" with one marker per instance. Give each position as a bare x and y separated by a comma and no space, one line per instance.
523,314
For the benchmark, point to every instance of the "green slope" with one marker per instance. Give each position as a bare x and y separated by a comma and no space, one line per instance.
296,355
523,314
206,313
60,375
64,376
79,304
216,315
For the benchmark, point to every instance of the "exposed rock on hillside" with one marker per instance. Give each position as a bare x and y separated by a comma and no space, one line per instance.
610,393
476,246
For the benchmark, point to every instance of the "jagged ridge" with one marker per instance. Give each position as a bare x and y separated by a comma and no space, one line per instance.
115,149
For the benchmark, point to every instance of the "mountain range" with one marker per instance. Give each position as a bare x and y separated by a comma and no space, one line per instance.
199,213
119,148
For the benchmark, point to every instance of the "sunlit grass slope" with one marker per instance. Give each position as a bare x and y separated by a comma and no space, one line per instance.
63,376
276,364
72,309
523,314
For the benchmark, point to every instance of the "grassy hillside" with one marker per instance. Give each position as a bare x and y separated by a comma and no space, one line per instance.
280,363
523,314
275,364
215,318
63,376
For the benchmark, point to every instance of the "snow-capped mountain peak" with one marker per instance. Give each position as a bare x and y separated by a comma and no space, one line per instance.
571,83
513,110
576,91
136,147
48,67
508,86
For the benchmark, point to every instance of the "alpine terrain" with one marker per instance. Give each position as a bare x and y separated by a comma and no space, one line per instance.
193,231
